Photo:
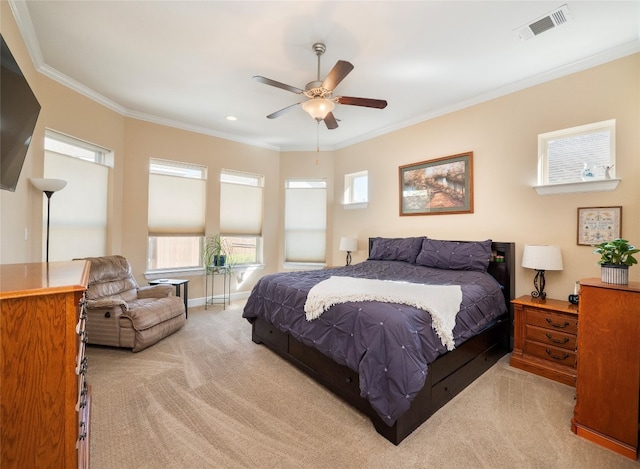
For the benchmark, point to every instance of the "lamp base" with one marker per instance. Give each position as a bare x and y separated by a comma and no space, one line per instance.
348,258
538,283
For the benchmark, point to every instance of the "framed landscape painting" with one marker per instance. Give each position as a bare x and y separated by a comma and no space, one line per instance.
440,186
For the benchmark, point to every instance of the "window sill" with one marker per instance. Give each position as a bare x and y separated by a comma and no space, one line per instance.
599,185
184,272
197,271
304,265
356,206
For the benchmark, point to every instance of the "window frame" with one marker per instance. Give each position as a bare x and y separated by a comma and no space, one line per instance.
242,178
313,184
596,185
544,140
349,195
164,167
85,166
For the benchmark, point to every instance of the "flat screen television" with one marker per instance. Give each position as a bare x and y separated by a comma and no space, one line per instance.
19,111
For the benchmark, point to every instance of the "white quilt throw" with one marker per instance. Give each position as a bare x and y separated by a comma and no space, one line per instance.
441,301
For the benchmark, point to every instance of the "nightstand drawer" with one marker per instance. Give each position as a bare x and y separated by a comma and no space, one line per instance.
550,353
551,337
553,321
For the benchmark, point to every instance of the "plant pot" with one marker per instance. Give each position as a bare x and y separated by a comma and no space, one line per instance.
219,261
615,274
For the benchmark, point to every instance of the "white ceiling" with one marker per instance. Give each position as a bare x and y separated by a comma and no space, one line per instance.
190,64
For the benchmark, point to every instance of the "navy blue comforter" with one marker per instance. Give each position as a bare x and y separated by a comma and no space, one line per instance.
388,344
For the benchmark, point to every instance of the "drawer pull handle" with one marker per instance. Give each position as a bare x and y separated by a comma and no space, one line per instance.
559,326
556,341
564,356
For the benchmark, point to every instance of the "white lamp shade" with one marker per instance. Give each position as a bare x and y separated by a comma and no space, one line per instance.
318,108
542,257
348,244
48,185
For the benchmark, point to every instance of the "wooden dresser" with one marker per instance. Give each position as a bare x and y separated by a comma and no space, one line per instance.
607,390
545,338
44,409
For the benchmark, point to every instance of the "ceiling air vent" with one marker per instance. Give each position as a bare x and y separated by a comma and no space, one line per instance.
556,18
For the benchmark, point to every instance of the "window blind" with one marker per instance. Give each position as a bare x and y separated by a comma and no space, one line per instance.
176,205
305,224
78,221
240,209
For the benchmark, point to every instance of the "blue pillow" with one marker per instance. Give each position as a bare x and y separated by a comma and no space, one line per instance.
455,255
396,249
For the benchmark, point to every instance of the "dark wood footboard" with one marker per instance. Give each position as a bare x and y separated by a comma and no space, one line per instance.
446,377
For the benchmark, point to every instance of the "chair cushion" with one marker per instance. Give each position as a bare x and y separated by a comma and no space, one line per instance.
111,276
147,312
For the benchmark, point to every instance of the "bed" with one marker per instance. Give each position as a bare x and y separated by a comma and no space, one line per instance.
383,356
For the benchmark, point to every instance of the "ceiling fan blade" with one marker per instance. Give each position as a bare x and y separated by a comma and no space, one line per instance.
277,84
366,102
340,70
281,111
330,121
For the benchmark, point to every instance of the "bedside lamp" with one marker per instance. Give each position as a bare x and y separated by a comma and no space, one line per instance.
48,186
541,258
350,245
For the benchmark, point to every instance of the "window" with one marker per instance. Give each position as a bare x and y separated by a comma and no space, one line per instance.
176,214
241,210
565,153
78,220
356,188
305,221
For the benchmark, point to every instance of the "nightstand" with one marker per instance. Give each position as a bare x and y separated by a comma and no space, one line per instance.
545,338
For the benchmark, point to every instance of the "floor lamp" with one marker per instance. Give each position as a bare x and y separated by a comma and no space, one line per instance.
48,186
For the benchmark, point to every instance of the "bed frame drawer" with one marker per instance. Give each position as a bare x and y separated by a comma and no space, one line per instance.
265,332
330,373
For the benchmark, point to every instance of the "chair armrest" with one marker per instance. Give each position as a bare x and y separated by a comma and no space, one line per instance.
155,291
107,303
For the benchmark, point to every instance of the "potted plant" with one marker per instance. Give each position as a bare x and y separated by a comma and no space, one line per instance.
615,258
215,251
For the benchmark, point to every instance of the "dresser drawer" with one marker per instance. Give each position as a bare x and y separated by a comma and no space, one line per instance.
551,337
548,352
549,320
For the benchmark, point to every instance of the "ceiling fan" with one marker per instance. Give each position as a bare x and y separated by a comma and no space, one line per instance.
320,104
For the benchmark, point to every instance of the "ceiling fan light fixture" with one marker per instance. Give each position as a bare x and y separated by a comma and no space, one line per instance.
318,108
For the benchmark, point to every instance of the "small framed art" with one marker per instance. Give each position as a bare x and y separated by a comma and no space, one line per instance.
598,224
443,185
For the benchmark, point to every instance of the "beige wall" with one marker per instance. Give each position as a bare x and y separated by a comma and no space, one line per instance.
502,133
145,140
67,112
133,142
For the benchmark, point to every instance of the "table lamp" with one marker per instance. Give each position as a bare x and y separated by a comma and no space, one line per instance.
350,245
541,258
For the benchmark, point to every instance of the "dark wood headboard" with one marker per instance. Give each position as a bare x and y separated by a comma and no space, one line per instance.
504,272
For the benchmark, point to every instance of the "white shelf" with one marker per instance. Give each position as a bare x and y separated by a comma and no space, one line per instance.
599,185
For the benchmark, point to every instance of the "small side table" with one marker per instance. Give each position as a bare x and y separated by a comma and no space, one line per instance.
210,298
176,282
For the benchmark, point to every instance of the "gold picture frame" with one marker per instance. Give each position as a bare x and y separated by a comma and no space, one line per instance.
599,224
440,186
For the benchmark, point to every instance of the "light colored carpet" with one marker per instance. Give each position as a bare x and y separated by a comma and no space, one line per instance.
208,397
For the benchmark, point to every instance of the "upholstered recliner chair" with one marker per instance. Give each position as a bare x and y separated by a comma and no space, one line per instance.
122,314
